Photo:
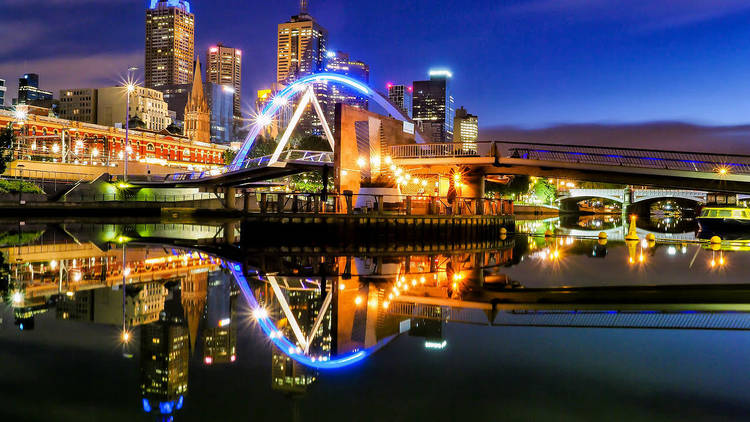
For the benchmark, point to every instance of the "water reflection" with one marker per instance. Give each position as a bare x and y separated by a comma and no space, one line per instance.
321,311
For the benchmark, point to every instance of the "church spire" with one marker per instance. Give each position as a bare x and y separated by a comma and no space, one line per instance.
197,113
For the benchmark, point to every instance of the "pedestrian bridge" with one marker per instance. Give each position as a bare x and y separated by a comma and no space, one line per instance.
632,196
698,171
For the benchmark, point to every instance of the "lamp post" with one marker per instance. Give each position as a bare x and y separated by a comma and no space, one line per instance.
129,88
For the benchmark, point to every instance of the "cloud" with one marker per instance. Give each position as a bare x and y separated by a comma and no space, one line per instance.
26,3
71,71
642,14
18,35
666,135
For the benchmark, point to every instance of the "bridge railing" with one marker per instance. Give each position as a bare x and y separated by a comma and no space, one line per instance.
441,150
629,157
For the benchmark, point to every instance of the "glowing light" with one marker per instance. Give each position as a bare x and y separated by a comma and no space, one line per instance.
263,120
20,114
17,298
208,360
644,244
434,345
260,314
79,144
55,148
130,87
94,152
386,304
214,49
77,277
280,101
224,322
125,336
723,170
342,286
126,272
361,162
53,264
388,160
358,300
672,251
641,258
233,358
441,72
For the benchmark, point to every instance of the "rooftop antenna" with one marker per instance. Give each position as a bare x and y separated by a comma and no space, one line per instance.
303,7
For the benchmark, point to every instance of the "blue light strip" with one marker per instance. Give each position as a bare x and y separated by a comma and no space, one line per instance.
278,338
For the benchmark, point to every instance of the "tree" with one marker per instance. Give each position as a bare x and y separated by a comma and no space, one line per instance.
519,185
311,143
7,140
229,155
544,191
262,147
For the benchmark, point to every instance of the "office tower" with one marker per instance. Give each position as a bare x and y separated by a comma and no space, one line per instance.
220,100
79,105
3,89
29,92
466,129
224,67
146,104
401,97
170,43
176,96
197,113
433,106
301,47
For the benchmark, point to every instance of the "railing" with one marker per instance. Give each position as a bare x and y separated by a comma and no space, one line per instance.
299,156
442,150
368,204
630,157
44,175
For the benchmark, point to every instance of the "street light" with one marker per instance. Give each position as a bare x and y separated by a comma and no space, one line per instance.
129,88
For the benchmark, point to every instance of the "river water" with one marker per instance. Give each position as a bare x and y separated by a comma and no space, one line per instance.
158,321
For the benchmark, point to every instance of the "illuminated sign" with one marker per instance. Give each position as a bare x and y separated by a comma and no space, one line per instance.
409,128
441,72
434,345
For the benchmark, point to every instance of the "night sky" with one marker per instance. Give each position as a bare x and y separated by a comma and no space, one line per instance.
522,63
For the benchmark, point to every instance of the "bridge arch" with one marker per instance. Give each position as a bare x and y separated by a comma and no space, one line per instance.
301,86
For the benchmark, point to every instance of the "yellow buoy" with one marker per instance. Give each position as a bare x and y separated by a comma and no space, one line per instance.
602,235
503,230
651,237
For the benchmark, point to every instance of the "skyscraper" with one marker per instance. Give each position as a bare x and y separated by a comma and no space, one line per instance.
197,113
2,92
331,94
28,90
79,105
301,47
170,43
433,106
401,97
466,129
224,67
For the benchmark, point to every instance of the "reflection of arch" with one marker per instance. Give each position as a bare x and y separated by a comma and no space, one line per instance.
286,346
303,85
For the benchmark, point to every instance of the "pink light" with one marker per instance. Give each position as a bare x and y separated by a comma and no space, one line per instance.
209,360
214,49
233,358
411,89
389,85
239,52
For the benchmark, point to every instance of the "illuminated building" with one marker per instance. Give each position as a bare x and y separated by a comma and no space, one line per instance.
79,307
79,105
170,43
143,303
224,67
146,104
289,376
220,100
466,129
433,106
176,97
282,117
301,47
29,92
3,89
331,94
194,291
164,358
197,113
42,133
220,334
401,97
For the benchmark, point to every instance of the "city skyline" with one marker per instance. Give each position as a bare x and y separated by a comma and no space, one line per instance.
598,64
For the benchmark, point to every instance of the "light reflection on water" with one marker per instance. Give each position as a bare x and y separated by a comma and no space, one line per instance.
315,312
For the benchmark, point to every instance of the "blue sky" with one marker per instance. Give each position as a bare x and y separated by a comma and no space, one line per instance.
525,63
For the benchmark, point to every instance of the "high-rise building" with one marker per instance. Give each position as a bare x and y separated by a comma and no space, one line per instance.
79,105
146,104
220,100
197,112
29,92
301,47
466,129
170,43
3,89
330,94
433,106
224,67
176,97
401,97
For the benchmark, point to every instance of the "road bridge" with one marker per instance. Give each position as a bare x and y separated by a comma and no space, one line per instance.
628,166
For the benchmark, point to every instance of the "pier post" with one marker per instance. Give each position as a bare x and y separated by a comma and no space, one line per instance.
230,195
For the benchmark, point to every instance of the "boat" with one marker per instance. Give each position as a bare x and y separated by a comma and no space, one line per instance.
724,220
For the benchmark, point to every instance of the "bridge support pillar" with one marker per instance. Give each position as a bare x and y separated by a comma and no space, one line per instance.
246,197
230,195
627,199
229,237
